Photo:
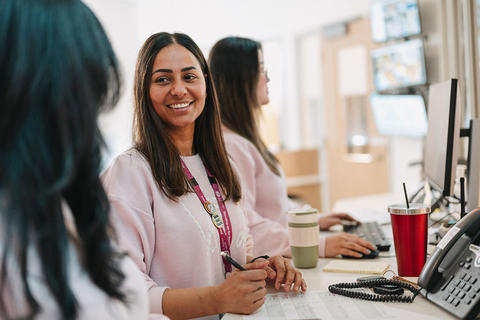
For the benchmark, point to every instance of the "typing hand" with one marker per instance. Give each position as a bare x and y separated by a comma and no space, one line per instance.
243,291
326,221
347,244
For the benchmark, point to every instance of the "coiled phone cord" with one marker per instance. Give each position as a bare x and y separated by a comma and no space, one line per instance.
341,289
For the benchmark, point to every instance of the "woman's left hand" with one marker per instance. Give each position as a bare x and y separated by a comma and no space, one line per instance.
284,275
326,221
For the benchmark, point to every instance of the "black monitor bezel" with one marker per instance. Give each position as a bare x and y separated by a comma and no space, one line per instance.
451,137
448,184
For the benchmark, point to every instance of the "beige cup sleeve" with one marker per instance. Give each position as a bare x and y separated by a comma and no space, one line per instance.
304,237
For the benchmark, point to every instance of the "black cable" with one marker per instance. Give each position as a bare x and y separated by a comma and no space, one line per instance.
341,289
259,257
455,200
441,219
412,197
438,202
462,197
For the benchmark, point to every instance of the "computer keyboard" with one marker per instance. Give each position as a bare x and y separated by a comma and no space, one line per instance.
370,231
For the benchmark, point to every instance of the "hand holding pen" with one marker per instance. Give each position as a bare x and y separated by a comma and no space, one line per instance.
270,272
242,292
234,263
279,270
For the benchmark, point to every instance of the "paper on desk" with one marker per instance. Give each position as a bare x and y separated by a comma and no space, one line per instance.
351,266
323,305
366,214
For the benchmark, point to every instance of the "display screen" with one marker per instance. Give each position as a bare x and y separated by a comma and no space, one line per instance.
399,115
442,143
399,65
392,19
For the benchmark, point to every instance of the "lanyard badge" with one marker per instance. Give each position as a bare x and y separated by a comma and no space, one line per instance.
221,222
216,218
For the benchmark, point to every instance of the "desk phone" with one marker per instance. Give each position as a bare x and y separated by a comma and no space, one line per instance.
451,277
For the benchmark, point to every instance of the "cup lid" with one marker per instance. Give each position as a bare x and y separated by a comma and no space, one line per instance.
302,211
415,208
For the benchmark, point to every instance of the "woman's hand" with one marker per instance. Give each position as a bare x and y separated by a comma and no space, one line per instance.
284,275
243,291
347,244
326,221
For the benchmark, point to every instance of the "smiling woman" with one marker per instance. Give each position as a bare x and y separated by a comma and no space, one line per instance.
164,80
241,80
176,198
178,93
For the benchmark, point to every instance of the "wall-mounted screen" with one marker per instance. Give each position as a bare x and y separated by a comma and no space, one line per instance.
399,115
399,65
392,19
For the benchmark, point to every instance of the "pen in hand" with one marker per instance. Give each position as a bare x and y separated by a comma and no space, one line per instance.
234,263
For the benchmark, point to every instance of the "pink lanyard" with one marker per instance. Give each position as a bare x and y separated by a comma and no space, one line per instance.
222,222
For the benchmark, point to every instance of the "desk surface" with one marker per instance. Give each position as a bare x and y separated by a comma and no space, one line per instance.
319,280
366,209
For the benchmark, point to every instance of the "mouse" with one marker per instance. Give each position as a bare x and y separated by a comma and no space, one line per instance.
371,255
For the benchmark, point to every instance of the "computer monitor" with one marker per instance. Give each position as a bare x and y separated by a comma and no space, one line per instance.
473,178
443,136
399,115
392,19
399,65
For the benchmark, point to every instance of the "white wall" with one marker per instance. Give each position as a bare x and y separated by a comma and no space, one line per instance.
130,22
281,22
278,20
119,19
207,21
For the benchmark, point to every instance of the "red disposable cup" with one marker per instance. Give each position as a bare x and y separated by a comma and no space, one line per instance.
410,234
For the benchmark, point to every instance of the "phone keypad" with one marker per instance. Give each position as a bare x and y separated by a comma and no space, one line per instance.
466,264
461,290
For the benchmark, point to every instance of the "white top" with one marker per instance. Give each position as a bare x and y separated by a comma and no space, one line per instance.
266,198
92,301
174,243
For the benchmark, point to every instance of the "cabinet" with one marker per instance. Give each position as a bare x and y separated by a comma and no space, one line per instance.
303,175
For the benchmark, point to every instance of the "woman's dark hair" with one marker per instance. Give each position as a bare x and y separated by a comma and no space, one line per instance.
152,139
57,70
235,68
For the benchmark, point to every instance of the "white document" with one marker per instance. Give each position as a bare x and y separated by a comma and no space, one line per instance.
316,305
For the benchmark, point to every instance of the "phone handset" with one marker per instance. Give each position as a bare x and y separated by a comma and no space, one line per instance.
468,225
